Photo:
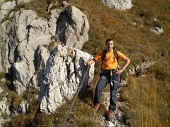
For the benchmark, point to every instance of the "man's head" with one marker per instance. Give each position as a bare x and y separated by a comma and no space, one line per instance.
109,44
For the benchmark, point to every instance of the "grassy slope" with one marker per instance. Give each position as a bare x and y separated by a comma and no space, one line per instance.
147,97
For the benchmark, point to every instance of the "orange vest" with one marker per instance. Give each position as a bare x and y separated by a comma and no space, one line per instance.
110,61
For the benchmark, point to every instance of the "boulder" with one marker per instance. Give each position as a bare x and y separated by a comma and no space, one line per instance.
157,30
64,73
118,4
72,27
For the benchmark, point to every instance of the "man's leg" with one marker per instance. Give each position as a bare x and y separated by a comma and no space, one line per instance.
113,91
99,87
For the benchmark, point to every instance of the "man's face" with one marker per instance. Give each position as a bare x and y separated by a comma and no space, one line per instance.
110,45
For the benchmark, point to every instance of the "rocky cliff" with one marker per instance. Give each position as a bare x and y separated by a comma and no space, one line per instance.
44,52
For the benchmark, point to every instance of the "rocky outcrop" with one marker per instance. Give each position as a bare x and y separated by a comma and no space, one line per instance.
22,1
23,39
6,7
62,76
23,53
157,30
72,27
26,31
4,108
139,69
118,4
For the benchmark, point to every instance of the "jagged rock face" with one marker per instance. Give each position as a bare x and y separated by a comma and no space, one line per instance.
64,72
118,4
22,41
72,27
21,36
25,33
6,7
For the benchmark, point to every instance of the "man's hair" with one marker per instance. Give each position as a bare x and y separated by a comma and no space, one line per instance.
109,39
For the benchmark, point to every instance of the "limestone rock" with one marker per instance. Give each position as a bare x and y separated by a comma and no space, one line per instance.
4,51
25,32
1,90
4,108
118,4
52,21
23,107
72,27
2,1
23,39
143,67
5,8
41,57
22,1
62,76
21,76
157,30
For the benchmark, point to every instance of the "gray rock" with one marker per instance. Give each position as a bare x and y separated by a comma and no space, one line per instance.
4,65
157,30
63,74
5,8
25,32
4,108
72,27
2,1
23,107
23,53
1,90
21,76
22,1
118,4
52,25
64,3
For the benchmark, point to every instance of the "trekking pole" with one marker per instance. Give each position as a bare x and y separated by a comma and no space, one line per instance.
74,100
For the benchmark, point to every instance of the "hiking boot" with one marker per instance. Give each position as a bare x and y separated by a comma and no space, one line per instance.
96,106
110,115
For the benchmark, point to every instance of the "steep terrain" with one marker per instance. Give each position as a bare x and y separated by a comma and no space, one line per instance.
40,71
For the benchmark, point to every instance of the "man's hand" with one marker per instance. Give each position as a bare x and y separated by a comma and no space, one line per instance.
127,61
118,72
90,62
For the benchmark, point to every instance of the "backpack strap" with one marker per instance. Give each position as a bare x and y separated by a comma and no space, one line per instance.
115,54
104,56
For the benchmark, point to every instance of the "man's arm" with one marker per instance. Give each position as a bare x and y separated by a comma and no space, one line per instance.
127,61
97,57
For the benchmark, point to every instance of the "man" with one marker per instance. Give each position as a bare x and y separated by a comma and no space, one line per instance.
110,73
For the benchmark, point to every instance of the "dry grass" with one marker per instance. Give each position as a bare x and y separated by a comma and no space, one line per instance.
148,97
82,115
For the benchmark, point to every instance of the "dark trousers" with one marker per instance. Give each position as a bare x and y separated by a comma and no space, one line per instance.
113,80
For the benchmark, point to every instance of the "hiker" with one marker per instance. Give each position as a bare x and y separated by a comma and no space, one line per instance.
110,73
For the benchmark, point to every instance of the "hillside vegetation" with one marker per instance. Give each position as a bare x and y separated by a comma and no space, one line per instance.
147,96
